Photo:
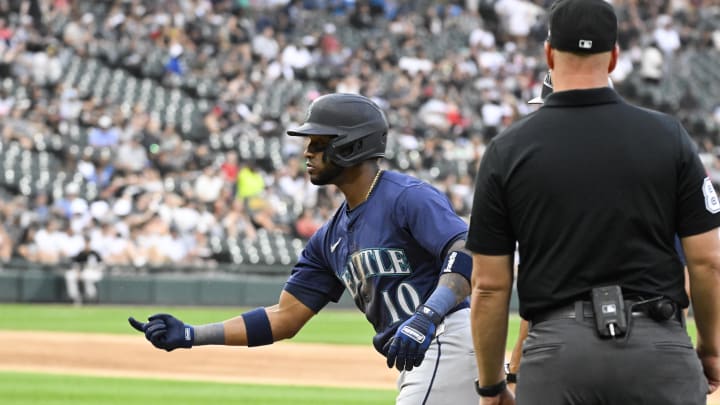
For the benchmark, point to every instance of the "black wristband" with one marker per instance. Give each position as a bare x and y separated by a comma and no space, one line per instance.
510,377
490,390
430,313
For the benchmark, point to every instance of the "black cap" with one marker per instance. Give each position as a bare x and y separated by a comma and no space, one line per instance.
582,26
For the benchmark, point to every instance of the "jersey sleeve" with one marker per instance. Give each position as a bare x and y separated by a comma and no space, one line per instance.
429,217
697,205
490,230
312,281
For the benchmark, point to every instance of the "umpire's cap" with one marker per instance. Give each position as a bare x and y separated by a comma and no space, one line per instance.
358,125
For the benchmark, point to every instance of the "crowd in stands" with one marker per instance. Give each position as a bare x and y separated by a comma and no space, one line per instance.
154,130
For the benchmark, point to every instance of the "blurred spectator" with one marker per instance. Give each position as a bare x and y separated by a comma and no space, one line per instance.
131,155
48,242
71,203
307,224
265,45
666,36
652,64
105,134
208,185
7,245
114,115
250,182
230,167
86,267
70,105
237,223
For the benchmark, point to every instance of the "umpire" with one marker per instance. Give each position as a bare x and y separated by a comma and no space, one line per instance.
593,189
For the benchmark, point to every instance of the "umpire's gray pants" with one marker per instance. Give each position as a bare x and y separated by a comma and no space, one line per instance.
565,362
447,374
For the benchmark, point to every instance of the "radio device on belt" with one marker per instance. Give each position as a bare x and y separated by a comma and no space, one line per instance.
609,308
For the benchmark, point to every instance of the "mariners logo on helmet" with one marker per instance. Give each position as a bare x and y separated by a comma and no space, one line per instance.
358,127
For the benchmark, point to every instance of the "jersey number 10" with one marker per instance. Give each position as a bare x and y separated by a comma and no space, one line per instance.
406,300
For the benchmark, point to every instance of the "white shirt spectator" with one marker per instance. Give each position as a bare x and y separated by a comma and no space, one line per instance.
186,218
265,45
651,63
46,68
414,65
208,185
296,57
518,16
667,37
491,59
6,105
482,38
131,156
492,114
70,106
48,241
72,245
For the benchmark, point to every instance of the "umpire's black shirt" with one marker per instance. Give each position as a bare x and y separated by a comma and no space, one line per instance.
593,190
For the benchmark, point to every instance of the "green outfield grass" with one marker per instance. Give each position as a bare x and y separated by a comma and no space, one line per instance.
330,326
41,389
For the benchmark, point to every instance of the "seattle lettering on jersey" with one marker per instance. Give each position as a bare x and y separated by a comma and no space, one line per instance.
368,263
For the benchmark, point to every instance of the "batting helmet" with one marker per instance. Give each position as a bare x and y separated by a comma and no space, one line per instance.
358,125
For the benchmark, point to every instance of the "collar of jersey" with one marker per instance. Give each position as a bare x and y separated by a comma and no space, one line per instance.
584,97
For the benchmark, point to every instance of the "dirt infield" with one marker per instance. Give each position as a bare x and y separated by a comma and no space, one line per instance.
132,356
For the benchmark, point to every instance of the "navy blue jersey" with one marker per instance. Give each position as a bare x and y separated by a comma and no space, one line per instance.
387,252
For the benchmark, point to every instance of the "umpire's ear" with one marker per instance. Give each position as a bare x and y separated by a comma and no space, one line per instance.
613,58
549,56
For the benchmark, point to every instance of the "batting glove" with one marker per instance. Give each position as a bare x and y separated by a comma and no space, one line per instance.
406,349
165,331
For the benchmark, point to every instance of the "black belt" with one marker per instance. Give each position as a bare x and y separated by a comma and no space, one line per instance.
584,309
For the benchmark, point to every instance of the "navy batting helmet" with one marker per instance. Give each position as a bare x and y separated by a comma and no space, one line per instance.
358,125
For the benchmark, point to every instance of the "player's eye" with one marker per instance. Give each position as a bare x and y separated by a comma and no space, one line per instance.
317,146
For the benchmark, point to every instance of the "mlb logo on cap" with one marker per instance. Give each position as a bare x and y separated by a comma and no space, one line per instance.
585,44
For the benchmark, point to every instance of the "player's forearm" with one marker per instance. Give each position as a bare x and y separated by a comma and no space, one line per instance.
451,290
458,285
210,334
453,285
235,331
231,332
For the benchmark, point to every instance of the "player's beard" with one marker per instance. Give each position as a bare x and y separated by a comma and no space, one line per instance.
327,175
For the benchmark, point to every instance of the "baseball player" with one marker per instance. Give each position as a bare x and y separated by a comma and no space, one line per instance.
395,244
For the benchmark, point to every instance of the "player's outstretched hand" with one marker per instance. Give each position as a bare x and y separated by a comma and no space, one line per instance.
165,331
406,349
